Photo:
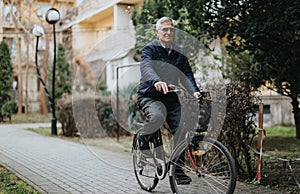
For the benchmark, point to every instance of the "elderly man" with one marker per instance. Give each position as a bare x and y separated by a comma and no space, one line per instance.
163,63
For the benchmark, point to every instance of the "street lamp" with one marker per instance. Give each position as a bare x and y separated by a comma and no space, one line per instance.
52,17
38,31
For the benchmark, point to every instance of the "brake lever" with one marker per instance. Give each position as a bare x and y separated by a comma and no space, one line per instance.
173,88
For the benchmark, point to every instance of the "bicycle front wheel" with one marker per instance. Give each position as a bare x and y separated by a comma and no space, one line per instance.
208,164
144,168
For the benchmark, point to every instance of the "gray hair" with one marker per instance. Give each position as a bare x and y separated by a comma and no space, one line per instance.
163,20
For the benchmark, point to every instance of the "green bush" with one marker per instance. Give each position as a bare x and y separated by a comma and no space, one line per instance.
8,109
6,78
238,129
91,116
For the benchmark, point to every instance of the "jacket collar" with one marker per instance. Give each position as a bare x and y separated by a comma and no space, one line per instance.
167,49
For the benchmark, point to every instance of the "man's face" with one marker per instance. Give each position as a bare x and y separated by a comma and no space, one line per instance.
166,32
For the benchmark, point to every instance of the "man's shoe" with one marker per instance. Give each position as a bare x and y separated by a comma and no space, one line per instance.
144,146
181,178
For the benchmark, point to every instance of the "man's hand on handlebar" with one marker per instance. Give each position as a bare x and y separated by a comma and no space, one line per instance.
196,94
161,87
200,97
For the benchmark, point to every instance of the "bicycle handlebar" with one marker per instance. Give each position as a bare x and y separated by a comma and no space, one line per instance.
173,88
177,89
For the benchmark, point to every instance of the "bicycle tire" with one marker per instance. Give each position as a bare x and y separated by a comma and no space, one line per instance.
216,172
145,171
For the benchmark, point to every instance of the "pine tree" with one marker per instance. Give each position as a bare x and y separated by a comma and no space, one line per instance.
63,74
6,76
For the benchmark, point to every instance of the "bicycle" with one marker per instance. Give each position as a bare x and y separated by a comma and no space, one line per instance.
205,160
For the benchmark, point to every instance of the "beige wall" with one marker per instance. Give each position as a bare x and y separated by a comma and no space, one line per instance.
280,110
86,35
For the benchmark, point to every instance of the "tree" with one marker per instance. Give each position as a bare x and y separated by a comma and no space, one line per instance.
62,74
144,21
6,76
186,36
43,104
267,32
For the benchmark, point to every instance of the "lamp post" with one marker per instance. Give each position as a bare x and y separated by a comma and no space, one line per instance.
38,31
52,17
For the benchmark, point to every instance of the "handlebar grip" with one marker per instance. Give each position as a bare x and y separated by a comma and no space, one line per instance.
201,97
173,88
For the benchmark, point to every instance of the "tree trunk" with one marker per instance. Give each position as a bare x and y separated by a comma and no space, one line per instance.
43,103
296,112
27,77
19,71
27,41
20,77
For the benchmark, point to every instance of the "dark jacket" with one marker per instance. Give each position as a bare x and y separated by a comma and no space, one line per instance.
157,64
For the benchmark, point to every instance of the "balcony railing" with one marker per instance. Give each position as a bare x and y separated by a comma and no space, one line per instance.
92,5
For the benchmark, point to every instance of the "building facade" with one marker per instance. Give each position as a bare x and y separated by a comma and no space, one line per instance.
97,34
103,38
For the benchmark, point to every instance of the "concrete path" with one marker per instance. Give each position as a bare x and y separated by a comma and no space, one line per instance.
54,165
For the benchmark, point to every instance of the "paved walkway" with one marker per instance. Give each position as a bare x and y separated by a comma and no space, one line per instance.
54,165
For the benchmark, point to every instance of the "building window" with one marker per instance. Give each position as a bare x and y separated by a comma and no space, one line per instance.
6,13
266,109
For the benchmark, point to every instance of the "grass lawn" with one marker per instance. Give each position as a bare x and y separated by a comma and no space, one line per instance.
123,145
281,142
11,184
29,118
281,164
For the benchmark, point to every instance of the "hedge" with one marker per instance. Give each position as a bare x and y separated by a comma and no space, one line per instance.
92,116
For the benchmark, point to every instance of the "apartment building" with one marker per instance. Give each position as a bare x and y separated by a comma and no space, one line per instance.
103,38
98,36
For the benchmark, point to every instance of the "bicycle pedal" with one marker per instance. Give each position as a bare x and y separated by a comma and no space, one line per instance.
198,152
160,169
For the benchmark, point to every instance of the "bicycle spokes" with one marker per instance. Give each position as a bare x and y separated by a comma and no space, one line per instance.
207,163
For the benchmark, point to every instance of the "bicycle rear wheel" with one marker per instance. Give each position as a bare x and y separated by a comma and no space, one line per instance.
209,165
144,168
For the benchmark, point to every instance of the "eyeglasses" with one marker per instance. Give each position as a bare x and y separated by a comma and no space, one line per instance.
168,29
